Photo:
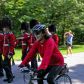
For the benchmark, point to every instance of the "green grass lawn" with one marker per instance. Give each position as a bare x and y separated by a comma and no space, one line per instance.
18,54
75,49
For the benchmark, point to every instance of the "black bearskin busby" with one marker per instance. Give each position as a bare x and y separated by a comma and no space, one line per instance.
52,28
33,22
24,26
6,22
0,25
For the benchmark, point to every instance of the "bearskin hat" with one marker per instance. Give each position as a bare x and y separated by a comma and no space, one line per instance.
0,24
24,26
52,28
6,22
33,22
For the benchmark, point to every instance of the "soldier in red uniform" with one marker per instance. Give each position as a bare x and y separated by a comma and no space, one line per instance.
24,39
52,30
8,48
33,22
1,49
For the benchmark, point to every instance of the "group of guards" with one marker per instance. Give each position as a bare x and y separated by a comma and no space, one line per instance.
8,42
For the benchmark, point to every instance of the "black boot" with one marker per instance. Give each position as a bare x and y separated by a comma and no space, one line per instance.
5,80
1,75
10,80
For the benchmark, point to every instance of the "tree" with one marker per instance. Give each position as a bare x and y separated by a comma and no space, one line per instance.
66,14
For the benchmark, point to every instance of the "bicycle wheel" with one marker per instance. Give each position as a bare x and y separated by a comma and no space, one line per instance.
63,79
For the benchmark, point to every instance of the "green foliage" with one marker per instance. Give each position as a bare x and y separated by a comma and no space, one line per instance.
79,33
66,14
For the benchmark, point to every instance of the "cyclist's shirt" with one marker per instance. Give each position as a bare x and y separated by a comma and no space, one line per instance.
31,40
56,38
48,51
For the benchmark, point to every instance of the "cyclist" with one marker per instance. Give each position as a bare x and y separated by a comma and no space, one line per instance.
52,59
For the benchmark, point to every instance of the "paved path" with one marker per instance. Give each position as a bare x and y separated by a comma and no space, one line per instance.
75,63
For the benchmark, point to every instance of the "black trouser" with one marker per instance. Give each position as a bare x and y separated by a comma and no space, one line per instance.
33,61
53,72
1,68
7,68
23,57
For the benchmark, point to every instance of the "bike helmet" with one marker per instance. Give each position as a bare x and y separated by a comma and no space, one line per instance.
38,28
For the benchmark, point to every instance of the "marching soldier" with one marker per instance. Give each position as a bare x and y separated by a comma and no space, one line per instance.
33,22
24,39
1,49
8,48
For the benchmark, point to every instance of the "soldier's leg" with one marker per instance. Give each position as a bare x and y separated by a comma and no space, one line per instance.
1,67
34,64
7,68
23,57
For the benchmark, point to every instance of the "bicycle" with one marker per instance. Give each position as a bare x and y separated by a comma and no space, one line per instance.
62,78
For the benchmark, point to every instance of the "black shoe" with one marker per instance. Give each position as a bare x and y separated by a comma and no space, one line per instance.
10,80
5,80
1,75
13,76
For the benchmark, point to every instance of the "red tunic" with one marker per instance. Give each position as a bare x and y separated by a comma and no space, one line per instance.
48,51
9,44
31,40
1,43
24,41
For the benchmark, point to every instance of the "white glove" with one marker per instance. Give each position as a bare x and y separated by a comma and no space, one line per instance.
24,69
